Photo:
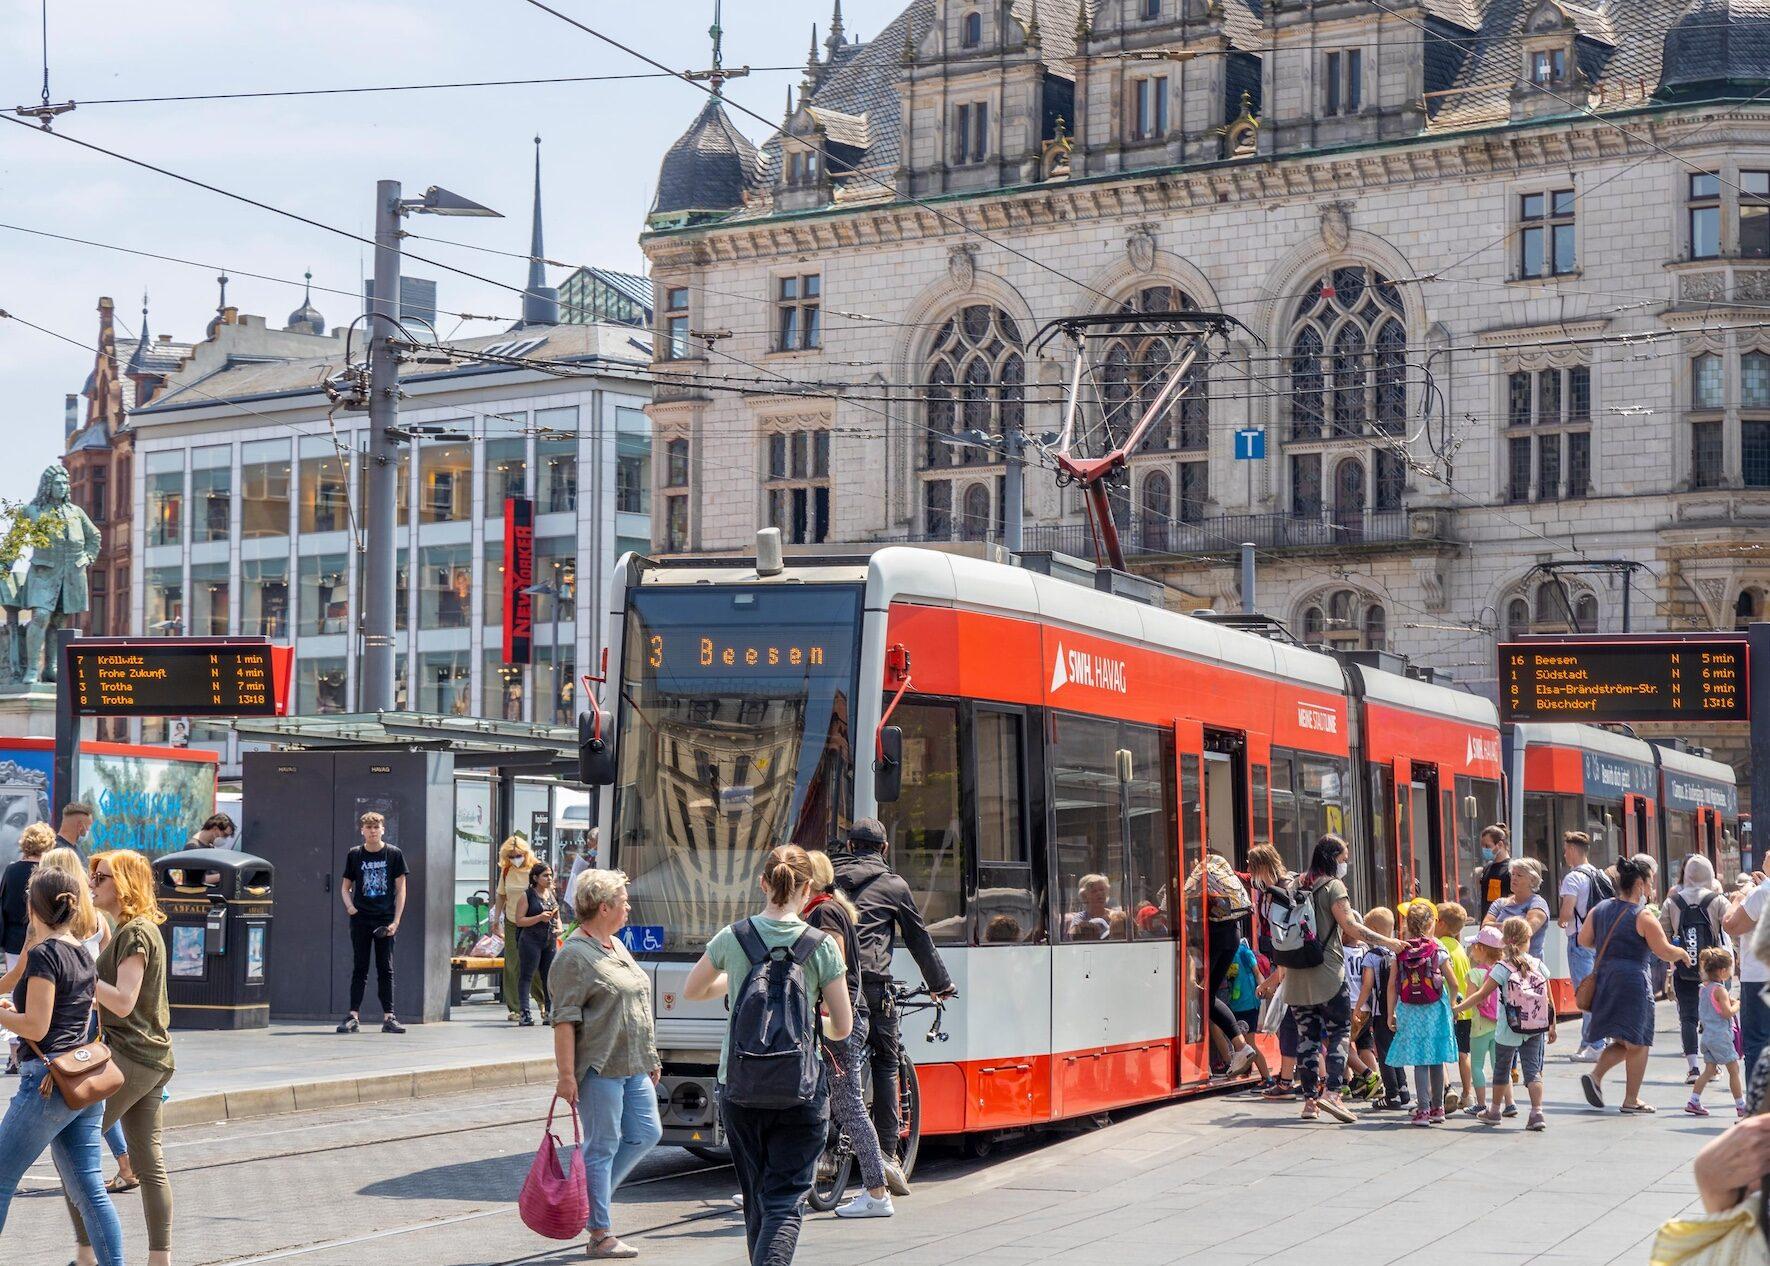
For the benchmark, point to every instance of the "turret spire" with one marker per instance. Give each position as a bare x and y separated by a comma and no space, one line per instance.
837,38
540,302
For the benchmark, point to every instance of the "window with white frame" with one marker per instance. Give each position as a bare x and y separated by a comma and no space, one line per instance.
796,485
1343,81
1549,433
675,317
1149,108
798,312
1546,234
1548,66
970,133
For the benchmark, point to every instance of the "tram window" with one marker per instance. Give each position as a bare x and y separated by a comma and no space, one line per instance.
1381,886
1285,836
1262,775
1486,794
1191,830
1005,908
924,824
1604,823
1154,823
1089,845
1680,842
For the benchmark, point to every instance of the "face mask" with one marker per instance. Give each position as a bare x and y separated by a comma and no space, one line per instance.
1340,871
1487,854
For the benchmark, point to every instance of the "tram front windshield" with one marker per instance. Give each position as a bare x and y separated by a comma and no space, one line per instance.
733,737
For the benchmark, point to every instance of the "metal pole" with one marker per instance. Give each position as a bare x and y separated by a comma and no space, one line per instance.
1013,488
67,723
558,690
378,584
1628,592
1247,577
1758,675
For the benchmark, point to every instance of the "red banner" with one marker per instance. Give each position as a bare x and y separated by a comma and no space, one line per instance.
519,574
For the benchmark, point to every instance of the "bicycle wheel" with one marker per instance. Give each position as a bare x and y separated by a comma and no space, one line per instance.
835,1168
909,1115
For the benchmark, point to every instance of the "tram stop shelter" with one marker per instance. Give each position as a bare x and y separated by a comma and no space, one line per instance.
449,788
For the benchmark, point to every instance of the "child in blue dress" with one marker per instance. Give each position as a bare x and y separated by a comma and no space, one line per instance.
1420,1005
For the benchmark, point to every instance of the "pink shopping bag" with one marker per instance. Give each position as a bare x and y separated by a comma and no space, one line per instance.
555,1202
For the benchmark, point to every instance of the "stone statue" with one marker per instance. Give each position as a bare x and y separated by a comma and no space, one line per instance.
55,587
12,632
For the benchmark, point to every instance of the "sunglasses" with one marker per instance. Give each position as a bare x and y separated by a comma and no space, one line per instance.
99,876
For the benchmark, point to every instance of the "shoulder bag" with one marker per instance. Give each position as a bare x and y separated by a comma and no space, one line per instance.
85,1075
1588,988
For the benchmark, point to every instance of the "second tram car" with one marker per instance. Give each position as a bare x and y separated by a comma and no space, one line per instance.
1049,732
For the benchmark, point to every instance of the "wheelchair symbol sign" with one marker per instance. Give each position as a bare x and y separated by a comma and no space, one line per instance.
643,937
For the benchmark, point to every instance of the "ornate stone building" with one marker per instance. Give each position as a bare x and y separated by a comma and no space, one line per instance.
1505,272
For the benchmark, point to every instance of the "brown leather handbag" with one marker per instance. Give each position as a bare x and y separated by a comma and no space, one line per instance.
85,1075
1587,989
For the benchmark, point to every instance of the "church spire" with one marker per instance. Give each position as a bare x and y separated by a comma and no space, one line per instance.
837,39
540,302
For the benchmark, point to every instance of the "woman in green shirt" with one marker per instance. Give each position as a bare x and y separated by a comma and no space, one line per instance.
604,1048
132,1004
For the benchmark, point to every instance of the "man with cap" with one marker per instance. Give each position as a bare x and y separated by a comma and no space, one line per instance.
887,909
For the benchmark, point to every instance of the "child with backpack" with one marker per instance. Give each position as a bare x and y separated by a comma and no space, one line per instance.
1525,1021
1243,983
773,1090
1715,1009
1362,1078
1420,1013
1449,931
1368,1009
1484,952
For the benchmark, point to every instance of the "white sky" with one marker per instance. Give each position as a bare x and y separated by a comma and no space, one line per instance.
322,156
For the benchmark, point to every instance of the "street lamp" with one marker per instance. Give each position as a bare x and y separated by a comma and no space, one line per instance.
378,572
559,589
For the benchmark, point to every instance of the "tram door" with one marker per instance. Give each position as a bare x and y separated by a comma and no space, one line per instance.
1635,836
1418,830
1192,1061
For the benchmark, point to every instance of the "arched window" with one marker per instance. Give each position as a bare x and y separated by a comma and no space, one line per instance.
1705,381
1545,608
1134,370
1346,620
1748,606
1348,351
976,378
1158,511
1551,608
1585,615
1517,618
976,522
971,30
1349,500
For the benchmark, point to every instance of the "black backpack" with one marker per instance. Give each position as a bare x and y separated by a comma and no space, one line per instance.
772,1059
1694,934
1598,887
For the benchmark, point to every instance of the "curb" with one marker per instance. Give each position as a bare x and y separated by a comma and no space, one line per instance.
424,1083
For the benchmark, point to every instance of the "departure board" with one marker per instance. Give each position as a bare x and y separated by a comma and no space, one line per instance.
1624,681
154,677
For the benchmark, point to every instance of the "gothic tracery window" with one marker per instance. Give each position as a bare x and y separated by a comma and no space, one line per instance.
975,374
1347,620
1348,356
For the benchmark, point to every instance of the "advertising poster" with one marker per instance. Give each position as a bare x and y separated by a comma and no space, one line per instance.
187,953
255,936
24,795
152,806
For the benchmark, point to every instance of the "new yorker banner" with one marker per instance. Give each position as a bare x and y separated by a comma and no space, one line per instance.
519,574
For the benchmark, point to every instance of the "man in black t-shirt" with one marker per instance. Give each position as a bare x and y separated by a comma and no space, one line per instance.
374,892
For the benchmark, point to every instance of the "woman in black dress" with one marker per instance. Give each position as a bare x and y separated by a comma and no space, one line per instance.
537,933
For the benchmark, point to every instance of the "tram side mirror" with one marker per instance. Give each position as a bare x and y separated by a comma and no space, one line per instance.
888,769
1470,807
1126,770
596,754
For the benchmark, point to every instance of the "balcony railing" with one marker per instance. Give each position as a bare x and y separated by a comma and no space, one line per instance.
1145,536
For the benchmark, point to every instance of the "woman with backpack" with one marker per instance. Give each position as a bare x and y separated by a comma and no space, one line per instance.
1524,1021
773,1090
830,910
1624,936
1266,871
1692,918
1419,1002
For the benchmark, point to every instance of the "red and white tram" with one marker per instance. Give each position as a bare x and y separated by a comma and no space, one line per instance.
1049,732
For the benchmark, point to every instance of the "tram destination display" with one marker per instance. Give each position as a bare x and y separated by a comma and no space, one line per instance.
143,679
1624,681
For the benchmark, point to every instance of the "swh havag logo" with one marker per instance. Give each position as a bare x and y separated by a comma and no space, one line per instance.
1079,668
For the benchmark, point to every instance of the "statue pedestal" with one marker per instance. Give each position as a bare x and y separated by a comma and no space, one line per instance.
27,711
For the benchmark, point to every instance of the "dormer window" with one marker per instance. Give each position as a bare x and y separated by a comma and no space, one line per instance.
1149,105
1548,66
802,167
970,133
1149,10
971,30
1344,90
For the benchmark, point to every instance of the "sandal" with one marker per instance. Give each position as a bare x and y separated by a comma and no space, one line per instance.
608,1248
1637,1109
120,1185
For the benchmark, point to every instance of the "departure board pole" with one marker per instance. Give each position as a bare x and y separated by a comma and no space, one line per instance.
66,783
1758,652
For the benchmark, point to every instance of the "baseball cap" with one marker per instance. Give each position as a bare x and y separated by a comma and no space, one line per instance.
869,831
1490,937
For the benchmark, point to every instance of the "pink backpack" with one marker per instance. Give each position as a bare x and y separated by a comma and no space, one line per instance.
1489,1007
1418,965
1528,1009
555,1203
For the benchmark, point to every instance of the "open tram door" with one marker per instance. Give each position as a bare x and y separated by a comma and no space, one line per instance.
1708,835
1419,831
1636,837
1207,775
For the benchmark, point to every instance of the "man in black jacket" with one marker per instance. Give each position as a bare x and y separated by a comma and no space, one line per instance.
886,909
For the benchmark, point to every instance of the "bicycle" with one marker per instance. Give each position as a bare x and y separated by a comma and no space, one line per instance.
836,1167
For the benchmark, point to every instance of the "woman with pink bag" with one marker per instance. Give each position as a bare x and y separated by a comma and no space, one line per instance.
605,1049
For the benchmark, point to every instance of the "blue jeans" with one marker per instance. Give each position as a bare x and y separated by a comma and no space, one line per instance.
620,1116
33,1123
1579,966
1754,1021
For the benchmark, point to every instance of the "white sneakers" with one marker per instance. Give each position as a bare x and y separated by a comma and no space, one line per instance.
1241,1061
895,1180
866,1206
1584,1055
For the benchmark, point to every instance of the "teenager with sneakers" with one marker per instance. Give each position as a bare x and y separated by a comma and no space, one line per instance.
1582,887
374,895
1692,917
